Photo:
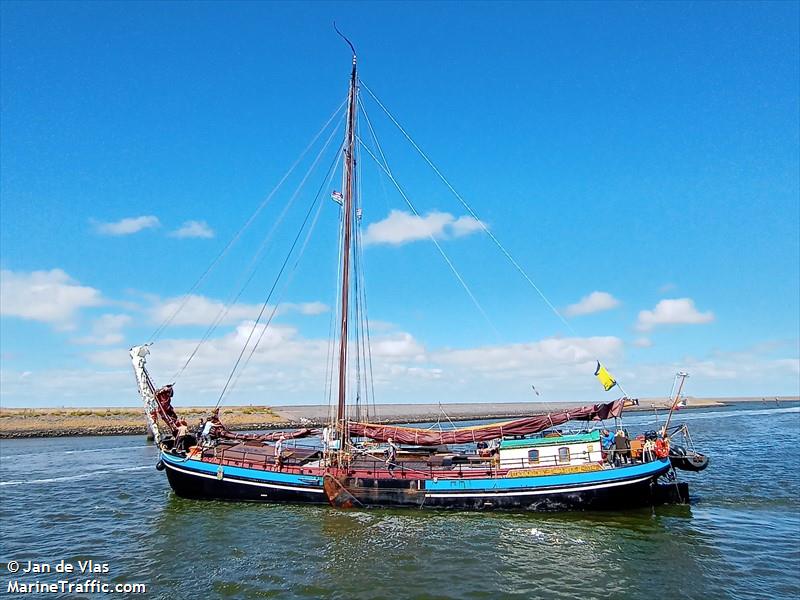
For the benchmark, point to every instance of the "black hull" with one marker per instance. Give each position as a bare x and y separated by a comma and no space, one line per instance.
197,487
638,495
407,493
634,495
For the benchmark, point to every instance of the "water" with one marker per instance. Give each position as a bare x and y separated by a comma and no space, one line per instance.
75,499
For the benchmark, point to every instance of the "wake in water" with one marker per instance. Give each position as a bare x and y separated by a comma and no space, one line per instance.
73,477
109,449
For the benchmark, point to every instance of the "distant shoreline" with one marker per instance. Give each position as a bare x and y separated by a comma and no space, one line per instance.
72,422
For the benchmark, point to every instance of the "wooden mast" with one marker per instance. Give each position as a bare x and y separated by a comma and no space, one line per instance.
347,227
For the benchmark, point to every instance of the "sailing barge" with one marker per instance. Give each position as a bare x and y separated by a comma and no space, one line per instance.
526,463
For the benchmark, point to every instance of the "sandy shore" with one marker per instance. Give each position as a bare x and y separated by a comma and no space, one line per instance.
60,422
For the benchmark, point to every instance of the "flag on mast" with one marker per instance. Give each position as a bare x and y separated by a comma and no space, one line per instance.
605,377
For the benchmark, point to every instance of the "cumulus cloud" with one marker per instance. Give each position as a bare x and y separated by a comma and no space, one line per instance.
47,296
548,358
677,311
290,368
200,310
401,227
193,229
398,346
643,342
127,226
594,302
106,330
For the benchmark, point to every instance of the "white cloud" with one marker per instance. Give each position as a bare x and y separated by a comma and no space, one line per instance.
304,308
594,302
551,357
200,310
678,311
193,229
127,226
106,330
47,296
401,227
398,346
465,225
643,342
289,368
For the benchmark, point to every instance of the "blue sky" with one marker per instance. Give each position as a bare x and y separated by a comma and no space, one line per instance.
642,158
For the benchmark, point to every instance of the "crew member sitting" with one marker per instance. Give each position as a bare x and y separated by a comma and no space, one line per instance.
622,447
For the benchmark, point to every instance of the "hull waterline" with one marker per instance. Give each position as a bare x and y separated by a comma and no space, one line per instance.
626,487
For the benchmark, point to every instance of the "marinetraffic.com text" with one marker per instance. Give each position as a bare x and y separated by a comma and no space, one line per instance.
63,577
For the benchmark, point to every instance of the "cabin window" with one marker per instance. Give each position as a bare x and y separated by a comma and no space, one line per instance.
533,457
563,455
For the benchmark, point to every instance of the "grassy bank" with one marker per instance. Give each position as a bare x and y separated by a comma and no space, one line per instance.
57,422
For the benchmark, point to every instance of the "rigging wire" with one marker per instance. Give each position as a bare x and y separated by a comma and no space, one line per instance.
259,256
325,183
335,316
367,343
269,296
356,309
164,324
433,239
483,226
280,299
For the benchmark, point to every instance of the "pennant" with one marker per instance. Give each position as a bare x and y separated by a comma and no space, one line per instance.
605,377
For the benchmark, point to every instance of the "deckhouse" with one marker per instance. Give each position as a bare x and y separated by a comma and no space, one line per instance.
551,451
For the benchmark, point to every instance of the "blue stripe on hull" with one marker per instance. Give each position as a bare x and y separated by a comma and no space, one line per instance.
651,469
244,473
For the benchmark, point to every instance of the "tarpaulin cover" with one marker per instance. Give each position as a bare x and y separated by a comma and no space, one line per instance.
220,431
484,433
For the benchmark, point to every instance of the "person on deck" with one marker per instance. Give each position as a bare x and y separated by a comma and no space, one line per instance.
607,443
180,436
205,435
391,456
198,432
279,451
662,447
622,447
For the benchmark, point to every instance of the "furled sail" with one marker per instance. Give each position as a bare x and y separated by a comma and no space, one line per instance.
222,432
484,433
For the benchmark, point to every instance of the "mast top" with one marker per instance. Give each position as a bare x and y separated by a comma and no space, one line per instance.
349,43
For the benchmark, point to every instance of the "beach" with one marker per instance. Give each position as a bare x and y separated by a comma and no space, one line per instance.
74,421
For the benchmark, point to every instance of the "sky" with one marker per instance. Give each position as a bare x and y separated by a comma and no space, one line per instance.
638,160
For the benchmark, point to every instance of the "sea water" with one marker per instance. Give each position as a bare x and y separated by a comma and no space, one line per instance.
68,501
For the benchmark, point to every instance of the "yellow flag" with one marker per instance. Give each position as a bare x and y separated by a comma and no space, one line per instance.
605,377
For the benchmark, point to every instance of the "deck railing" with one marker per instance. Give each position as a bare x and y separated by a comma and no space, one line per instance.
373,464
